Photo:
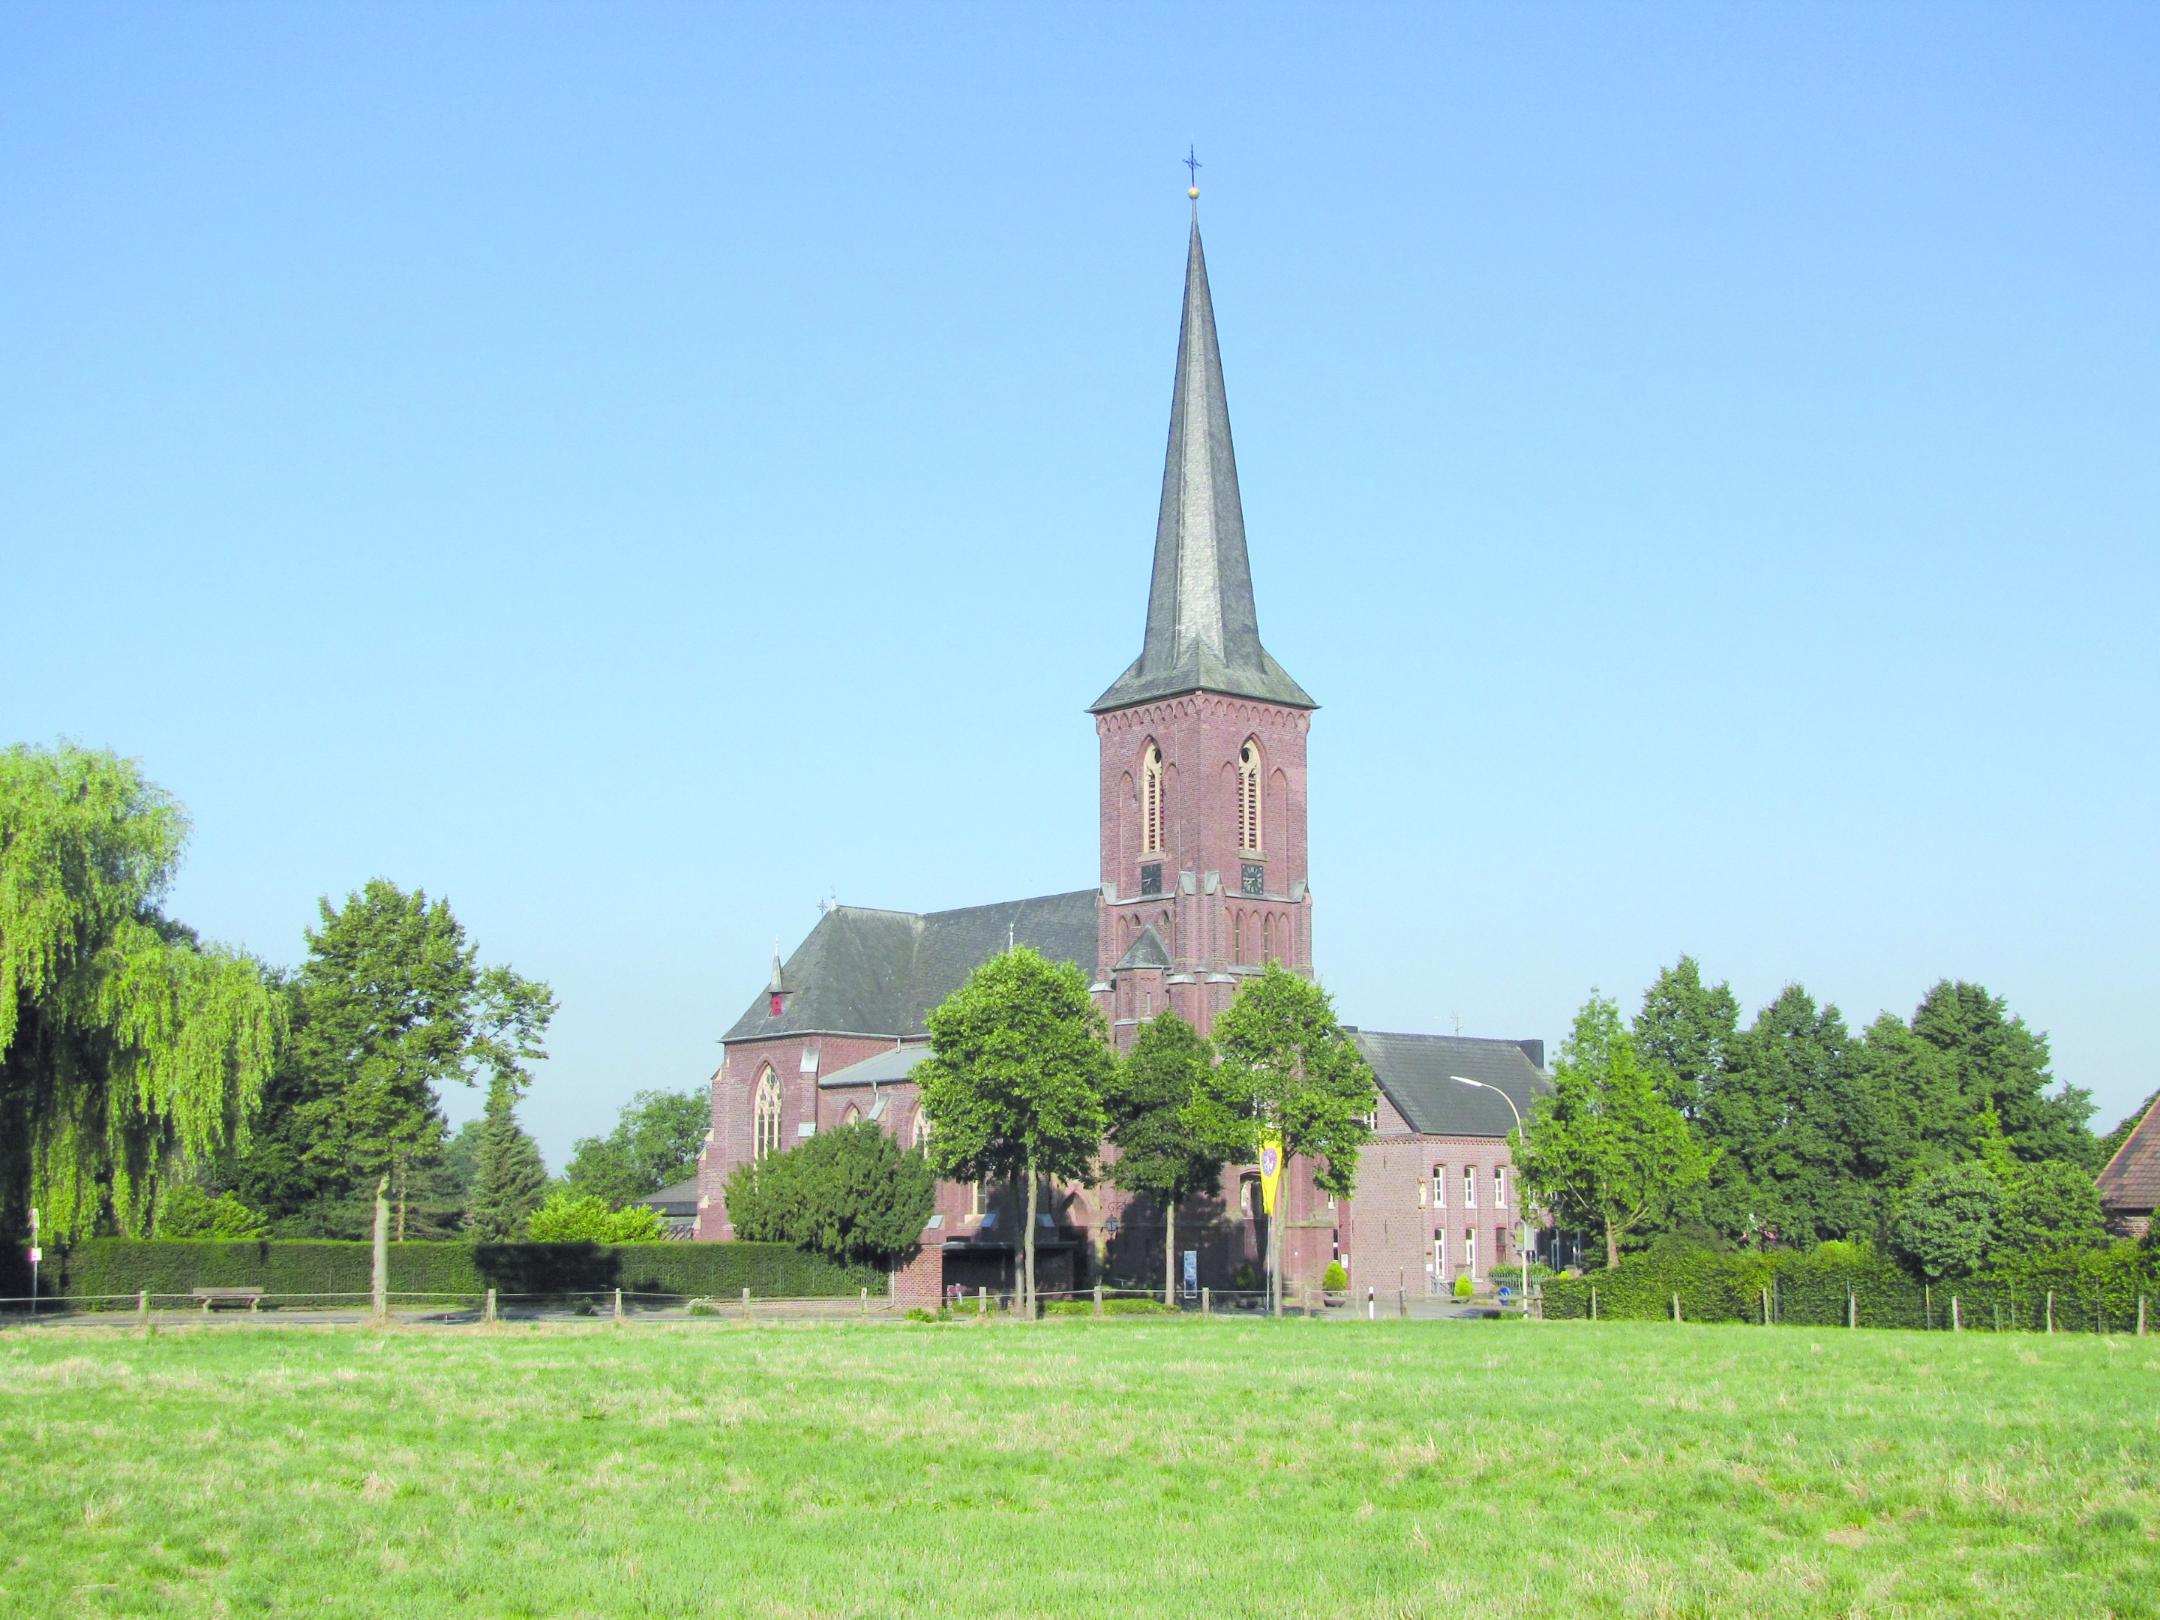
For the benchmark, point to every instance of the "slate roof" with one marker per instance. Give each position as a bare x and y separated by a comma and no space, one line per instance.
680,1199
2130,1181
880,1069
1414,1071
1203,632
866,972
1148,951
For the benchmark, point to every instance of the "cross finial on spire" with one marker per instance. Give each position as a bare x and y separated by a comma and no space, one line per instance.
1192,170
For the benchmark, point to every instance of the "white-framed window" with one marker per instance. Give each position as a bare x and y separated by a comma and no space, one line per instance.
1151,799
1439,1257
1439,1186
1469,1252
1499,1185
1421,1192
975,1199
1469,1186
1248,819
765,1115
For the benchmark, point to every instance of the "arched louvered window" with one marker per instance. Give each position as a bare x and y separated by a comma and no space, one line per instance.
765,1116
1248,797
1151,800
1237,936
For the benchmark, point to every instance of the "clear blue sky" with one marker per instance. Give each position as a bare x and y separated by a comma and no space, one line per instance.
635,470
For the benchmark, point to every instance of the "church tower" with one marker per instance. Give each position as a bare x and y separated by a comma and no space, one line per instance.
1202,740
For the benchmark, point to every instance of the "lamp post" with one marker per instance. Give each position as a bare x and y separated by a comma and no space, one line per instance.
1524,1220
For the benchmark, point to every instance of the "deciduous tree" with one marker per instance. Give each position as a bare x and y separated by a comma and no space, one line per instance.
1607,1148
1691,1028
1014,1083
851,1192
1289,1071
570,1218
126,1044
1159,1124
654,1144
1944,1224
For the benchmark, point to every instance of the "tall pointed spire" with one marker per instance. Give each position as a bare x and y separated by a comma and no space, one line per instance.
1203,633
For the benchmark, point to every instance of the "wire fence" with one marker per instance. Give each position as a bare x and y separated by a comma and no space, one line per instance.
241,1307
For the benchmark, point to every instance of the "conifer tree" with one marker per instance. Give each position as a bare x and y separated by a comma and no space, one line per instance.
509,1181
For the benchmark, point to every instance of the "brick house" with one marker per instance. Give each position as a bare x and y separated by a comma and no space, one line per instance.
1202,878
2130,1181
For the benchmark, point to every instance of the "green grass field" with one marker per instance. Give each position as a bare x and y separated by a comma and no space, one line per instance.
1230,1468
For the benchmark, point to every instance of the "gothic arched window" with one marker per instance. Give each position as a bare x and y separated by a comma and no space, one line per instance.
1267,938
1151,800
1237,936
853,1116
1248,796
922,1130
765,1116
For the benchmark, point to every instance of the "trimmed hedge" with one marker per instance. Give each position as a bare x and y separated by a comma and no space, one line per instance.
107,1266
2096,1290
1110,1307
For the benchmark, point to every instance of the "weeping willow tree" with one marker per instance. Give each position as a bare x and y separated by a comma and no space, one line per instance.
127,1047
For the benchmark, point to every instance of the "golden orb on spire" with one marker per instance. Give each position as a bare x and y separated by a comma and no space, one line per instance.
1193,192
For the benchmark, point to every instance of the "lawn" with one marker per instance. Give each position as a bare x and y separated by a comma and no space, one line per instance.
1225,1468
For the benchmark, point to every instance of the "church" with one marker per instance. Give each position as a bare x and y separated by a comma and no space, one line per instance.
1202,879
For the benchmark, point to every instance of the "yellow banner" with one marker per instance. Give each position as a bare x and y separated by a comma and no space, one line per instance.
1270,1170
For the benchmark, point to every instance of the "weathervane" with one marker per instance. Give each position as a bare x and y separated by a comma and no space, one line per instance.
1192,170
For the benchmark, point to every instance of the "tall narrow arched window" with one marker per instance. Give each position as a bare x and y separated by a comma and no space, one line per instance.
1237,936
1267,937
922,1130
765,1115
1151,800
853,1116
1248,797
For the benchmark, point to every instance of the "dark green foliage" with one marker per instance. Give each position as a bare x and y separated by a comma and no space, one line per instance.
1945,1223
118,1266
851,1192
1995,1061
184,1210
2111,1144
654,1144
1689,1028
2093,1289
1111,1307
1160,1122
2050,1205
509,1181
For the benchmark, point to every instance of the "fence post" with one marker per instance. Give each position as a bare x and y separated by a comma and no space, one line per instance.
1372,1310
2141,1316
1766,1307
1098,1299
142,1310
489,1314
2051,1311
1676,1307
865,1310
1927,1306
1402,1303
1852,1307
746,1303
1207,1302
1593,1302
1957,1319
982,1301
618,1305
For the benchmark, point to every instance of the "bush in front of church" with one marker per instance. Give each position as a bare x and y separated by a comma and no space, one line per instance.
851,1192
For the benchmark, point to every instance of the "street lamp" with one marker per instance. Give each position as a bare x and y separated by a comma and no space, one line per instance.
1522,1136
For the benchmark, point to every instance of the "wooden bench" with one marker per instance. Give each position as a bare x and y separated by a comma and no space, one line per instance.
250,1297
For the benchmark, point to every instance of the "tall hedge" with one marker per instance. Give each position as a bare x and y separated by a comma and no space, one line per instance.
2094,1289
122,1266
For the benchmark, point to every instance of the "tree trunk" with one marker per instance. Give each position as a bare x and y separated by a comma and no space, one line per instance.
1169,1258
381,1280
401,1198
1612,1246
1029,1300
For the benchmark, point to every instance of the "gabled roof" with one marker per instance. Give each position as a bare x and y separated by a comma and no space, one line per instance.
1203,632
2130,1181
880,1069
1415,1071
866,972
680,1199
1148,951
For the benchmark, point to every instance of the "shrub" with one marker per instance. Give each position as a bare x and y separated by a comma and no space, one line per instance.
1945,1222
1464,1287
570,1218
186,1211
1335,1279
851,1192
1111,1307
122,1266
1247,1279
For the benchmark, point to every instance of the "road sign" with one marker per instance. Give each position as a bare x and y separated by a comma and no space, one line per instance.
37,1257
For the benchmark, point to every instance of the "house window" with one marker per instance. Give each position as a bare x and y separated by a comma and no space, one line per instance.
975,1199
1439,1186
1151,799
765,1116
1439,1256
1469,1186
1248,818
1499,1185
1469,1252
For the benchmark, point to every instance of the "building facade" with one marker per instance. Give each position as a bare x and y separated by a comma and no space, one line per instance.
1202,879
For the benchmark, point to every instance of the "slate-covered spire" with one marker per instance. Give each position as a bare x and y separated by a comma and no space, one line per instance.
1202,631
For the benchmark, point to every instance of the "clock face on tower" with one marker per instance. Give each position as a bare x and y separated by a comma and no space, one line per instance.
1254,878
